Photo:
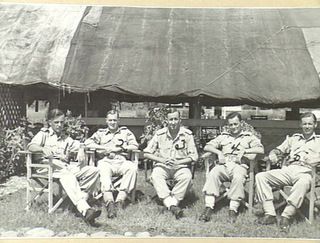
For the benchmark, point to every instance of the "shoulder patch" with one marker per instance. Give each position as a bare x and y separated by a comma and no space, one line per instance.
247,133
186,130
297,135
44,129
102,130
161,131
225,133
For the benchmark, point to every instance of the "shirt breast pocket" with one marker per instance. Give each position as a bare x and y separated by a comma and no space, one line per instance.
225,143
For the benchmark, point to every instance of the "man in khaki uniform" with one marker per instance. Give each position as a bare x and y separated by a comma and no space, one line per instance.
302,149
52,142
234,149
112,144
173,149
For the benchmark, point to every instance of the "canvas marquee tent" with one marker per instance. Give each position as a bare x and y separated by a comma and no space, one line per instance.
264,57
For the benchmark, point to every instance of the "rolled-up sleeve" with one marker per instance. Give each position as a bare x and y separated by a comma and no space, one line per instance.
255,142
74,145
131,139
285,146
152,145
192,149
216,142
37,139
94,139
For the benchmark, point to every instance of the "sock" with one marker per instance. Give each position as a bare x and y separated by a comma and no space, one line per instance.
289,211
82,206
169,201
209,201
234,205
108,196
175,201
122,195
268,208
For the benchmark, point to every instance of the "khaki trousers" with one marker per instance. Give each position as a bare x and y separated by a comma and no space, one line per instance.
75,180
182,176
230,171
299,177
126,168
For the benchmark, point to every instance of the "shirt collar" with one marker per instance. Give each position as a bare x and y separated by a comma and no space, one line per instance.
239,135
108,131
180,132
62,135
51,132
313,136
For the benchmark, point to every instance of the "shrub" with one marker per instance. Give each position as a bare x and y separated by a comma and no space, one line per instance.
75,127
156,119
11,142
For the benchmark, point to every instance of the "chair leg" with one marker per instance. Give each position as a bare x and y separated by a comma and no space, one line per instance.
53,208
50,194
133,195
251,186
62,197
312,195
28,195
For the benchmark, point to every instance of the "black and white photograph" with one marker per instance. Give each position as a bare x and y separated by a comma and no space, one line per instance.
159,122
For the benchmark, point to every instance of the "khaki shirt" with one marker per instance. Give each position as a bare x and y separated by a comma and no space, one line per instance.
230,145
180,147
123,137
59,145
301,150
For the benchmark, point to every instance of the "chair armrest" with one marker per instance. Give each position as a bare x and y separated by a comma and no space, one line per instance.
135,154
206,155
39,166
24,152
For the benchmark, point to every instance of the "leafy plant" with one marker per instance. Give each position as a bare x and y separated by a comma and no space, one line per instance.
156,119
11,142
75,127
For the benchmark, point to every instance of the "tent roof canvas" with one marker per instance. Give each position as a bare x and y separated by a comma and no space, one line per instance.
254,56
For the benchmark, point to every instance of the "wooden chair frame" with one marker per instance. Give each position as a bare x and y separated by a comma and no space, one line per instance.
250,181
38,173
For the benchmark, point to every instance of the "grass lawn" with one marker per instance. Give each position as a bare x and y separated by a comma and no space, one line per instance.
147,215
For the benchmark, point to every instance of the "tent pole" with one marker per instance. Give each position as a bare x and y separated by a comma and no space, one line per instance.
195,113
85,105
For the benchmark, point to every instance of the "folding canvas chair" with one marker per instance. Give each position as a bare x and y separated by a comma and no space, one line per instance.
249,181
40,180
116,180
311,197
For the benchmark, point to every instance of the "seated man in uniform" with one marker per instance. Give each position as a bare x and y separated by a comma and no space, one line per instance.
53,142
173,149
302,149
234,149
112,144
